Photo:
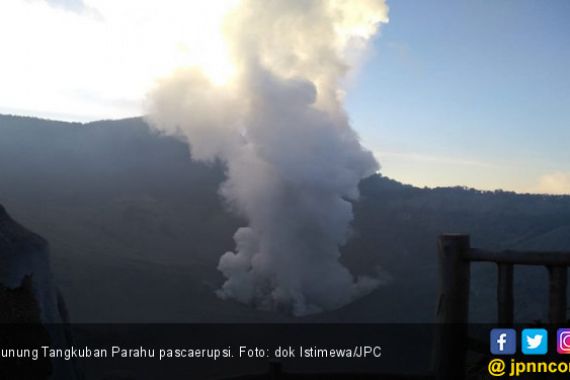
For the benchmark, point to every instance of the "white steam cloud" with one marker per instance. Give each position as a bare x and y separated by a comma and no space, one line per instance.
293,161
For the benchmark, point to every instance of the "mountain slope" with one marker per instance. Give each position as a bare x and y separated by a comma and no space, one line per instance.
137,228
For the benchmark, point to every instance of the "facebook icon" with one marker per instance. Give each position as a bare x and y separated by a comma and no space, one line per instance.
503,341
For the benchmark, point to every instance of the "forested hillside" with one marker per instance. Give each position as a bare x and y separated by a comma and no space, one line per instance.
136,228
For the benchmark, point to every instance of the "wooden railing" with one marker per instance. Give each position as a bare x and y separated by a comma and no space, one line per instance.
452,316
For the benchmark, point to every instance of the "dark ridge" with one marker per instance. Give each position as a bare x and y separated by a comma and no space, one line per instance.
15,238
37,120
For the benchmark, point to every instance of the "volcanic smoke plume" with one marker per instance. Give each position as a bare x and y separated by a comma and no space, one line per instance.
293,161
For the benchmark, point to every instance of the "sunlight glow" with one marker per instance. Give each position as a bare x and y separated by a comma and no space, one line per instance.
102,59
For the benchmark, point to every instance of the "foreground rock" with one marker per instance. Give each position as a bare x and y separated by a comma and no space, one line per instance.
32,314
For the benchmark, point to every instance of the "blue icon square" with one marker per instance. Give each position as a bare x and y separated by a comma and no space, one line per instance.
534,341
503,341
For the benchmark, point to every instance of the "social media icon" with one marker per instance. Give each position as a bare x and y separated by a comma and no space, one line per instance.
563,341
503,341
535,341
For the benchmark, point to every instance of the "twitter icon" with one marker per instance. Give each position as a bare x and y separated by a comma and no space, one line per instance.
534,341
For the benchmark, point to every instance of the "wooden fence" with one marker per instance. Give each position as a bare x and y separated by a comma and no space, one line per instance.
452,316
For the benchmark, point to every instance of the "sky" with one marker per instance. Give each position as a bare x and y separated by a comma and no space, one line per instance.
468,93
472,93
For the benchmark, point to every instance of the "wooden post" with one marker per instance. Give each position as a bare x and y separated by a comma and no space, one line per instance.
452,316
505,299
557,294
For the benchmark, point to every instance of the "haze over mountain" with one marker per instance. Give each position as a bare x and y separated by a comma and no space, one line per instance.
136,229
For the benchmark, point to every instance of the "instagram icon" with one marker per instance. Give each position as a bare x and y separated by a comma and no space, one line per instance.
563,341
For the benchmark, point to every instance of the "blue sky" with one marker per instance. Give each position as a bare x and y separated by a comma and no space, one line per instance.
453,92
473,93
